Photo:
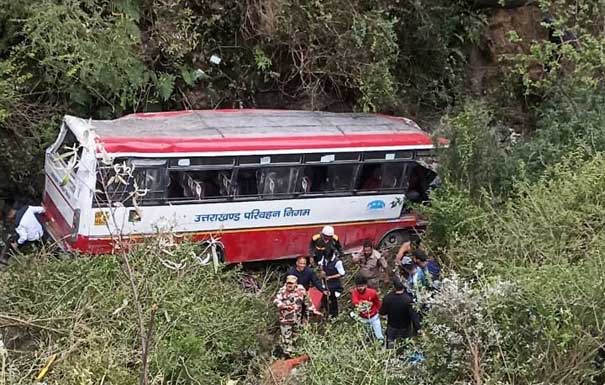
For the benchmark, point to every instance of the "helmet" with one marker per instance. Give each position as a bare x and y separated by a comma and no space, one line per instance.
328,231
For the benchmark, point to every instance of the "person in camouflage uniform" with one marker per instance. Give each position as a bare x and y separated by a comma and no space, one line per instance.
290,300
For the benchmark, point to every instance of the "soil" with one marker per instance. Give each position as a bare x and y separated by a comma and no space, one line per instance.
489,67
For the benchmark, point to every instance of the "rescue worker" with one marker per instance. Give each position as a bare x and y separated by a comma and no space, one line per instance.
371,264
306,276
332,270
321,242
291,300
409,275
406,249
27,226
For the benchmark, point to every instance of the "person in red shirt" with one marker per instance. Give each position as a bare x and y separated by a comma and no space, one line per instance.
367,303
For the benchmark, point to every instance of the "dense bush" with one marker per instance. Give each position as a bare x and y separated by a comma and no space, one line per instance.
343,354
476,160
554,220
533,326
206,326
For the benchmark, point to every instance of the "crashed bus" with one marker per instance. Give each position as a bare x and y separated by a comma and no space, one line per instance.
258,183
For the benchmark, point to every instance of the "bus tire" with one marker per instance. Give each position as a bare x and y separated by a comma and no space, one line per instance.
393,239
204,253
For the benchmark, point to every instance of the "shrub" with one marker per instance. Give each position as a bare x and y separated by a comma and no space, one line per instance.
475,161
342,355
206,325
86,55
529,326
553,220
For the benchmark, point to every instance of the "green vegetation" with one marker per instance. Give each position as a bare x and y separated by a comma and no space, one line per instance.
206,328
107,58
518,222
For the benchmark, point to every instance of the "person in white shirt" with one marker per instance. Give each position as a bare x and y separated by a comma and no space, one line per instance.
27,226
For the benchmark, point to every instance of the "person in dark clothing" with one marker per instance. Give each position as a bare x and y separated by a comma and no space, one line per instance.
306,276
332,270
323,241
402,319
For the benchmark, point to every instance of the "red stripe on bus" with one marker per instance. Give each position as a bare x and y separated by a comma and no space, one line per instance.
166,144
270,244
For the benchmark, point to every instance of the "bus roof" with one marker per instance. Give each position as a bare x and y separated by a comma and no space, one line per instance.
251,130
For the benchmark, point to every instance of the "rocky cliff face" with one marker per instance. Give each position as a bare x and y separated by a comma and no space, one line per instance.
489,63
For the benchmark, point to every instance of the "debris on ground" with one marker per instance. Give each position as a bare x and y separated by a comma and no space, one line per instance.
280,370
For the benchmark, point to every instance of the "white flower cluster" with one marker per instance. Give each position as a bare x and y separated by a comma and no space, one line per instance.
461,320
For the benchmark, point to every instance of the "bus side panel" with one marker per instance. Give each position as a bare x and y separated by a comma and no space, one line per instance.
246,215
273,244
59,212
259,230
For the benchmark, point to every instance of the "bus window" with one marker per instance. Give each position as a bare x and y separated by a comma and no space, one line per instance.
69,151
199,185
150,176
328,178
421,180
246,184
277,180
382,176
111,189
116,183
266,181
65,161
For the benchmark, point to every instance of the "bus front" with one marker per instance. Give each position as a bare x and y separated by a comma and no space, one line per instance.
69,170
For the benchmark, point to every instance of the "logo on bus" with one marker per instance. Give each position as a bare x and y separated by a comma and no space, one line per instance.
376,205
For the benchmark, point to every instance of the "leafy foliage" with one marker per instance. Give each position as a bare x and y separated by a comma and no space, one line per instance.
86,55
566,122
206,326
551,221
475,160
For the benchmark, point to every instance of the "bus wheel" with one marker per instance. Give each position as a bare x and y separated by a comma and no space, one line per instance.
203,252
394,239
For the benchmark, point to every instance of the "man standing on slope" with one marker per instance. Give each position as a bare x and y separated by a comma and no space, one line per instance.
371,264
291,300
402,319
367,304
